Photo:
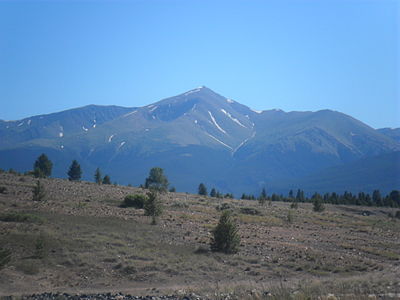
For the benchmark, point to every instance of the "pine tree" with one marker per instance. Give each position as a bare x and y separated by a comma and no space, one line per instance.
39,192
153,206
263,197
213,192
318,206
202,189
157,180
225,235
42,166
75,172
106,179
97,176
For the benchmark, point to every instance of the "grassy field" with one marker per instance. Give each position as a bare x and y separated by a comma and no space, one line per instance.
79,240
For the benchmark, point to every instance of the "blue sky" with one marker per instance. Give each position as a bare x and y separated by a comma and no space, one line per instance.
293,55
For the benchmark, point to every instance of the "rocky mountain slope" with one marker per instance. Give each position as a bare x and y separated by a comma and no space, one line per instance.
198,136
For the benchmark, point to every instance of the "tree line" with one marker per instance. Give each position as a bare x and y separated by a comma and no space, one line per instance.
392,199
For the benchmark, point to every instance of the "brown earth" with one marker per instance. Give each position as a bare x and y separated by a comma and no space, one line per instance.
79,240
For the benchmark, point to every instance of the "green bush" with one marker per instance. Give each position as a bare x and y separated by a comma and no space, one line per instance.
136,201
250,211
223,206
3,189
225,235
397,214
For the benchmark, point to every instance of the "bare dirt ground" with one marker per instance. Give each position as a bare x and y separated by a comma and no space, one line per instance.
79,240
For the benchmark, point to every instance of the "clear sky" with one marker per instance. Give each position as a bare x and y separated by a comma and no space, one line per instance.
293,55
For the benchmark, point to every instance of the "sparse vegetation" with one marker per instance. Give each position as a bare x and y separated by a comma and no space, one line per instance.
225,235
86,240
39,192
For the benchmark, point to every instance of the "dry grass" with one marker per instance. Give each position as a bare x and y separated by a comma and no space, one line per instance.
80,239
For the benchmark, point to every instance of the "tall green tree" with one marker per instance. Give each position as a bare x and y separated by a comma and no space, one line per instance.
74,172
106,179
97,176
225,235
318,206
213,192
42,166
157,180
202,189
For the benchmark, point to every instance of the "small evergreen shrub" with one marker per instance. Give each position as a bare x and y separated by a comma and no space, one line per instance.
3,190
225,235
153,206
397,214
318,206
39,192
136,201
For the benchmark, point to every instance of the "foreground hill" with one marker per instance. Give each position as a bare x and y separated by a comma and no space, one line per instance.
216,140
80,241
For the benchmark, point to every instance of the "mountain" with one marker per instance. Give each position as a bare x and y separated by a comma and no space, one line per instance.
393,133
197,136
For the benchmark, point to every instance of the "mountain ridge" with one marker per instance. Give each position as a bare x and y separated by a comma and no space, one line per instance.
198,135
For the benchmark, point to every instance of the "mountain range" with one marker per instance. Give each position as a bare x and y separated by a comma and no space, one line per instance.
201,136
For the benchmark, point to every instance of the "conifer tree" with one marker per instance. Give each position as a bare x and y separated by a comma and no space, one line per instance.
213,192
202,189
97,176
157,180
106,179
74,172
39,192
42,166
225,235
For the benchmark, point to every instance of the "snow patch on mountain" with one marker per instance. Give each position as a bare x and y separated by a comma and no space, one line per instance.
244,142
230,101
61,134
153,108
215,123
120,145
84,128
110,138
257,111
232,118
130,113
193,91
222,143
29,122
